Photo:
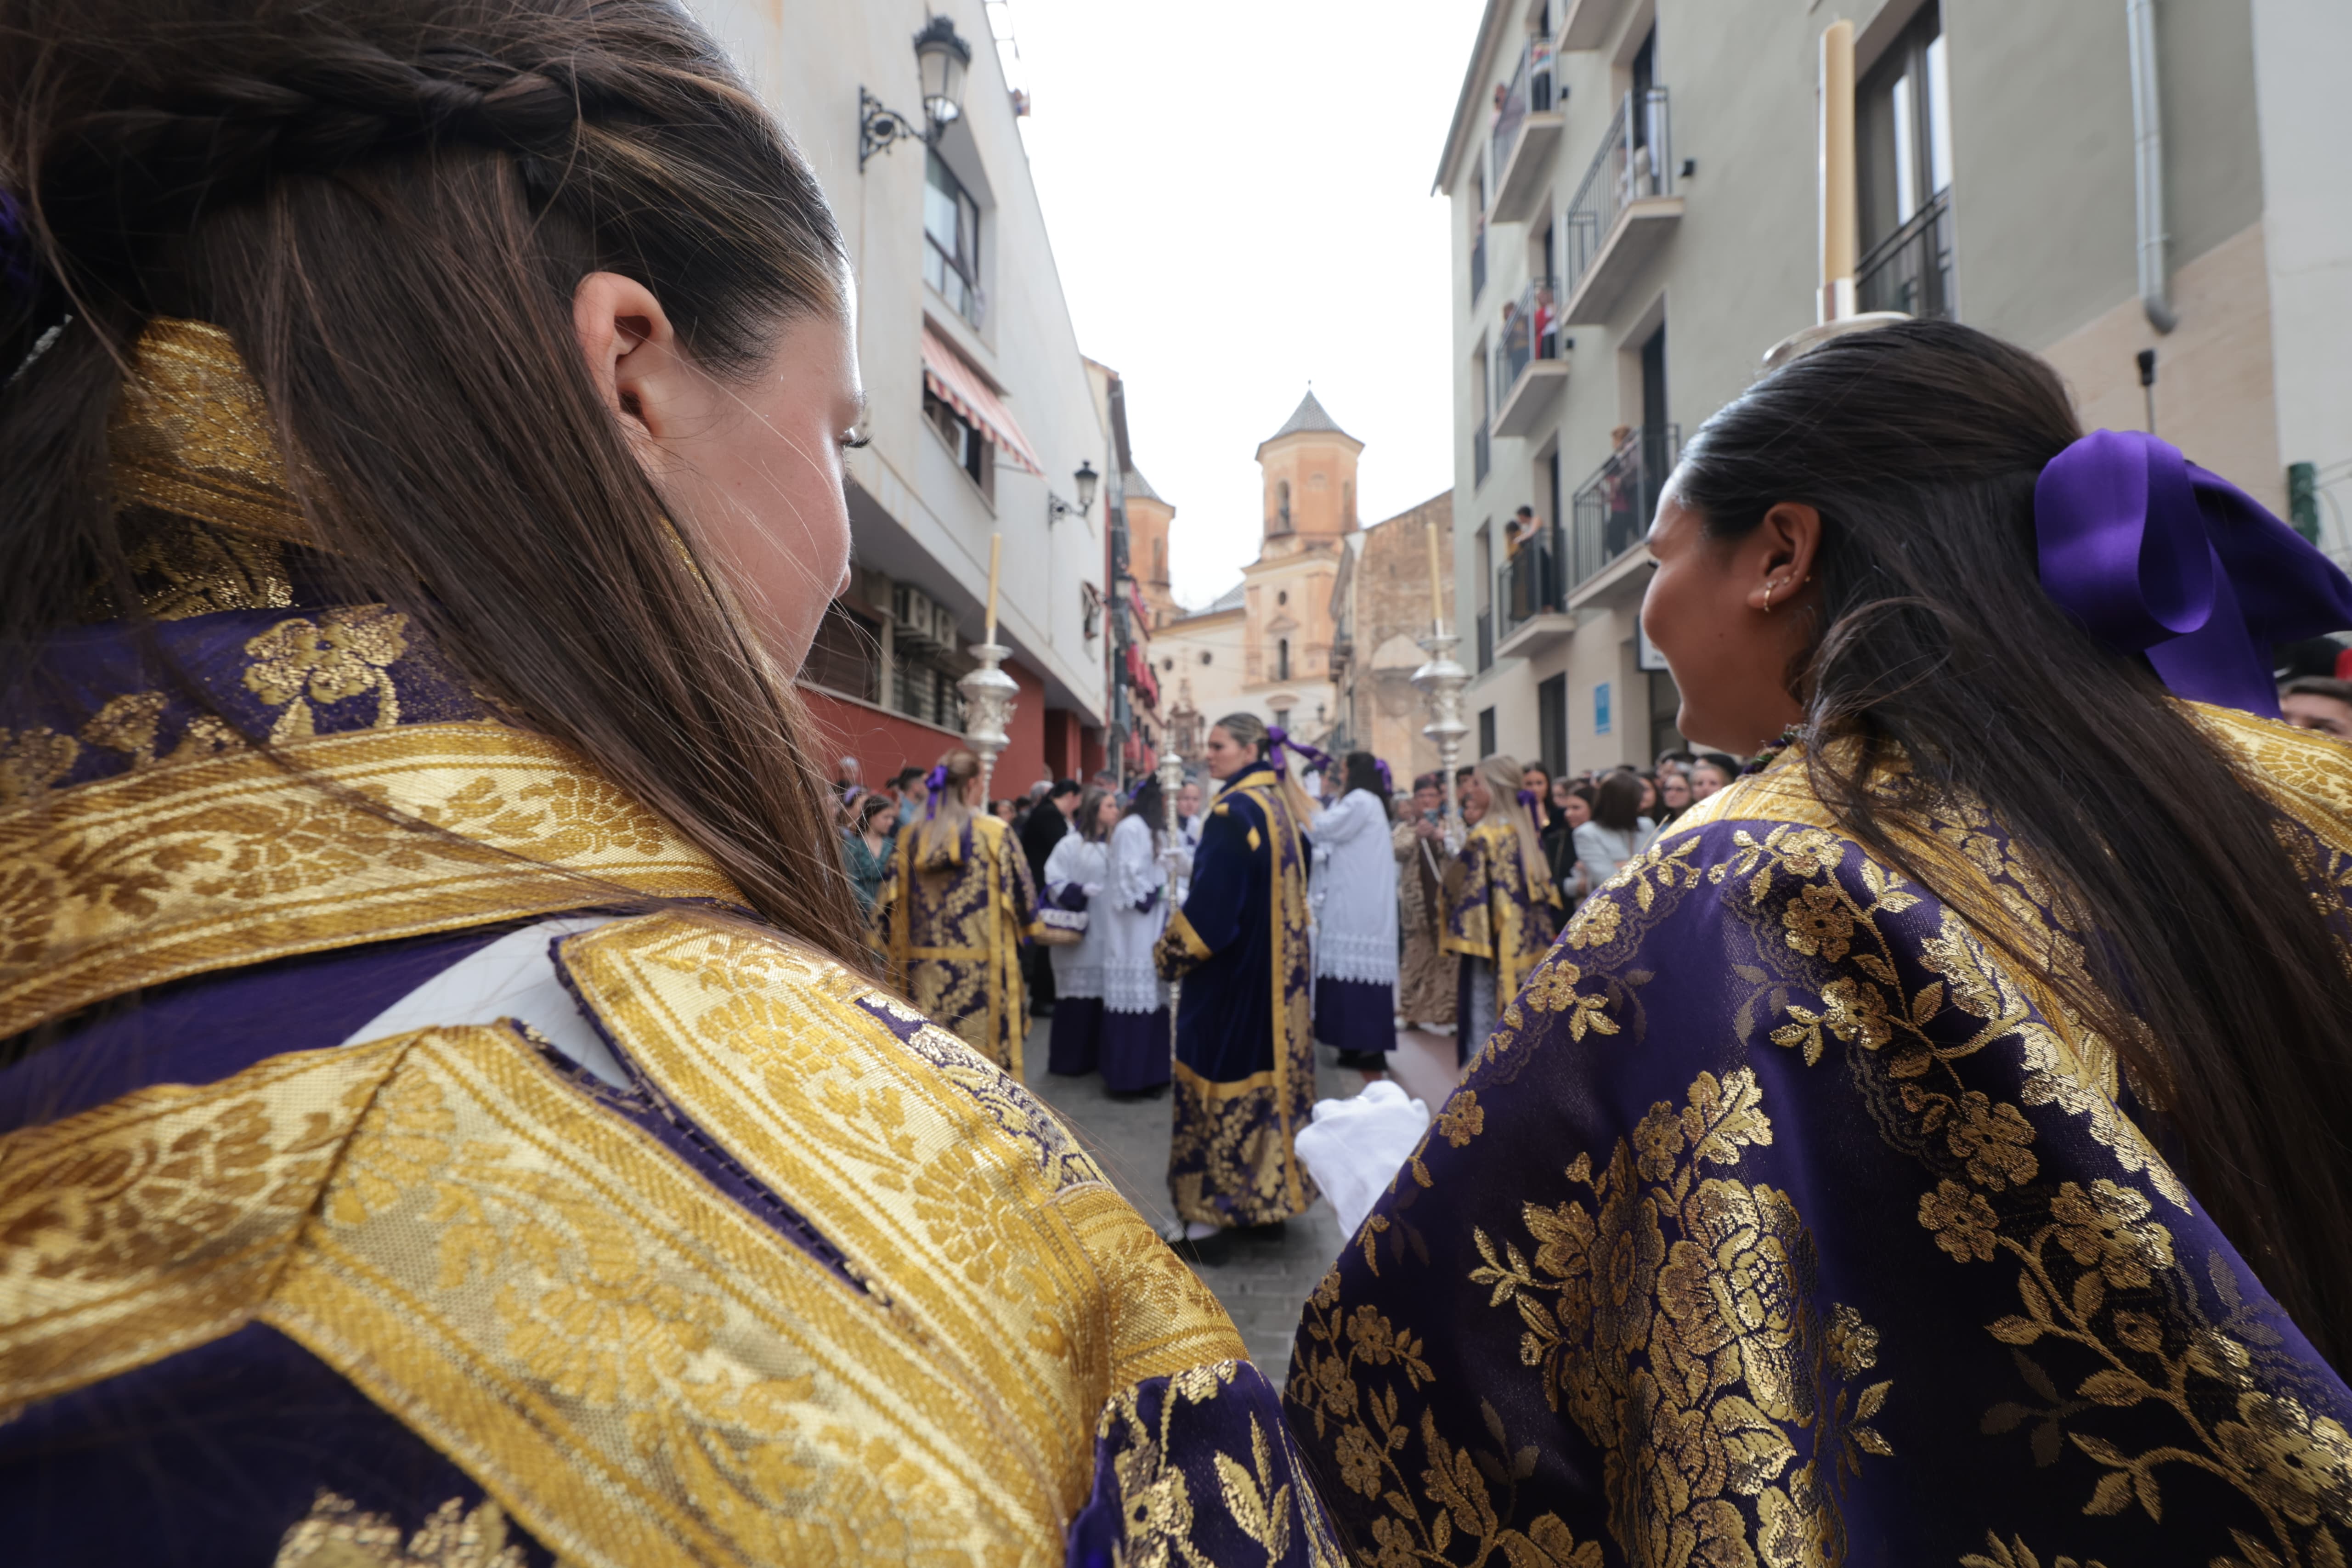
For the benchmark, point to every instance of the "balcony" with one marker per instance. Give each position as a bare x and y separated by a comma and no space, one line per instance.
1911,270
1531,596
1526,131
1612,508
1527,365
1482,455
1587,24
1623,213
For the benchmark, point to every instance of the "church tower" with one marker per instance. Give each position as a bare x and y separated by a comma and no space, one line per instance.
1148,522
1309,469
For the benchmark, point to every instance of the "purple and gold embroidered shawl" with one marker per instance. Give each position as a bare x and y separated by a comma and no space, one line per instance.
1782,1223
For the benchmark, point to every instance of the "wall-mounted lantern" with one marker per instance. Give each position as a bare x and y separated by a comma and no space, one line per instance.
942,60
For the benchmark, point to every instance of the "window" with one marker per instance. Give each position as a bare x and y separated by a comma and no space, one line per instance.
973,453
1282,659
1348,502
1904,128
1204,656
1282,505
1159,560
1281,596
1168,664
1486,732
1551,723
952,239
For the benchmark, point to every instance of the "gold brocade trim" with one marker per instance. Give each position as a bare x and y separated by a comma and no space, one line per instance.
208,863
157,1222
1002,1017
1179,930
193,436
1212,1088
1007,1273
1287,905
336,1534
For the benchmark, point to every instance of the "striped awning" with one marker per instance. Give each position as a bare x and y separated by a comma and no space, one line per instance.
955,382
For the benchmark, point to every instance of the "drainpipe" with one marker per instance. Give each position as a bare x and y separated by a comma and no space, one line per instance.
2148,165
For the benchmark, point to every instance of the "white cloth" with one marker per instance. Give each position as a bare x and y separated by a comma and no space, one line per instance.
1129,981
1353,1147
513,977
1355,893
1079,967
1603,851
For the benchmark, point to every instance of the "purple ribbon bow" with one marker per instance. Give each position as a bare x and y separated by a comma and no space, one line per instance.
1388,784
1277,738
1527,798
934,783
2152,555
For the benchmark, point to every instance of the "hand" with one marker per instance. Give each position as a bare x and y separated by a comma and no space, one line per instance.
1427,829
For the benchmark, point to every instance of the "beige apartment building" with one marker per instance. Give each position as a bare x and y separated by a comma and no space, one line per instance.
1636,201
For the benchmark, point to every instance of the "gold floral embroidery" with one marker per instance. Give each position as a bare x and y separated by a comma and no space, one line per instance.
1463,1117
1673,1319
345,653
2015,1553
128,724
32,761
1155,1502
336,1534
182,568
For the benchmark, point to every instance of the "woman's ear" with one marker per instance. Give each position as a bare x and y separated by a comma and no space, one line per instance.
631,352
1778,554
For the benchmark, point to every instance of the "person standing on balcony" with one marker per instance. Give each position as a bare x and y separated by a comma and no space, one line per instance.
1621,490
1244,1041
1502,906
1546,323
1424,972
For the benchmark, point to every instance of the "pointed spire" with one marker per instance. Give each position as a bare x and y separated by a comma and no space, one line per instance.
1308,416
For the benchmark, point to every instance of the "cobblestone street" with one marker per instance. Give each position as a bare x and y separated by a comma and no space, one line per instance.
1263,1283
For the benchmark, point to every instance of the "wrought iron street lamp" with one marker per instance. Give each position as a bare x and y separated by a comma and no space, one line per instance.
942,60
1085,479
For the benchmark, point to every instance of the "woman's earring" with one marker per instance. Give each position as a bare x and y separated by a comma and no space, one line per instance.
1768,586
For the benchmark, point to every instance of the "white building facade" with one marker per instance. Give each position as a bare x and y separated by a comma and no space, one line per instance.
981,414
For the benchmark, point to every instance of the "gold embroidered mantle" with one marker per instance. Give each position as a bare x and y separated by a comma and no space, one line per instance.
441,1215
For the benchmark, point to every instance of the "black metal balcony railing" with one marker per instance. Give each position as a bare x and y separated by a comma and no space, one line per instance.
1479,261
1911,270
1529,92
1635,160
1531,581
1612,507
1482,455
1529,331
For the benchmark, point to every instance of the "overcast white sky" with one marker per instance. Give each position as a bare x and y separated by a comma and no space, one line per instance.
1238,192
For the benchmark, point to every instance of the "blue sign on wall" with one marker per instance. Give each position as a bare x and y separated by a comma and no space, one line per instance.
1600,708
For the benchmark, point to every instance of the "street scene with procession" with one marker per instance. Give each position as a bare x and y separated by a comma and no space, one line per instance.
1678,892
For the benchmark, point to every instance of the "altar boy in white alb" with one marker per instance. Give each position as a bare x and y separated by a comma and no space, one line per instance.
1356,918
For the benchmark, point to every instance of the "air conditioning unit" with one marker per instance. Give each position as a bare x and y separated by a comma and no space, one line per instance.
917,617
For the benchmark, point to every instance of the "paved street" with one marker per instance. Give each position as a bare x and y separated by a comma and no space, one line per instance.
1263,1284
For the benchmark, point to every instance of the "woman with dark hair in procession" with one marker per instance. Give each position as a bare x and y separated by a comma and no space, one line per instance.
1502,908
954,917
1356,918
1244,1041
1135,1043
1425,972
445,1116
1932,1149
1077,872
1617,831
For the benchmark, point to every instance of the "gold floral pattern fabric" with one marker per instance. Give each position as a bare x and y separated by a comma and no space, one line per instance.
338,1534
1783,1223
953,931
1495,911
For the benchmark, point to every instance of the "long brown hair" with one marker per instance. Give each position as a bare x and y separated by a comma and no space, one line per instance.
388,204
1501,775
2205,963
939,830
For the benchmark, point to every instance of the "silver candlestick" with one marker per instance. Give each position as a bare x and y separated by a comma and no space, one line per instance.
1440,682
988,694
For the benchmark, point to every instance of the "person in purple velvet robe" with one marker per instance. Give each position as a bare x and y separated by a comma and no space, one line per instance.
1929,1151
446,1116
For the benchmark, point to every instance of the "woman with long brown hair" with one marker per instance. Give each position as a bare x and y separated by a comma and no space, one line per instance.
1502,908
1932,1149
954,917
442,1115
